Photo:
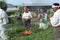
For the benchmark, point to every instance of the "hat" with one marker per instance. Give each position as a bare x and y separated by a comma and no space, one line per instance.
55,5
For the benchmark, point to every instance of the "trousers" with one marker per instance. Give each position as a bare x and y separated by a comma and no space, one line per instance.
3,36
56,34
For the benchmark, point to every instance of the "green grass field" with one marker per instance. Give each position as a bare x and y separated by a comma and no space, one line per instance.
38,34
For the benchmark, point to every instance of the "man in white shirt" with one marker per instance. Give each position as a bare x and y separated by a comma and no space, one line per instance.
26,16
55,21
3,22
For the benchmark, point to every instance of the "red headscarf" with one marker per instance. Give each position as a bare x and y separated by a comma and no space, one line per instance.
25,9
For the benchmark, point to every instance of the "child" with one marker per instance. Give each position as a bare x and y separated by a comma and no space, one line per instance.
43,19
26,16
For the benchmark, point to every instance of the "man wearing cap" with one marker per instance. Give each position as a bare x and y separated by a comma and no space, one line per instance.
26,16
55,21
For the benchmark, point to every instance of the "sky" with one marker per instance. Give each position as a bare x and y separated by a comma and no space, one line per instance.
19,2
31,2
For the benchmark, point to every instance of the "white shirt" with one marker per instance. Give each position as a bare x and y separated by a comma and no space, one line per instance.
55,19
3,17
27,15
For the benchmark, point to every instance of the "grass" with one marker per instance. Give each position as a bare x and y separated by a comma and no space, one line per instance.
38,34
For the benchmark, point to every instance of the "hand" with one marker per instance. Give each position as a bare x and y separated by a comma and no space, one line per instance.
41,17
49,16
26,19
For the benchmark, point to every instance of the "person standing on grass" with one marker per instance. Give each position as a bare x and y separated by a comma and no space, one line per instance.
43,19
55,21
3,21
26,16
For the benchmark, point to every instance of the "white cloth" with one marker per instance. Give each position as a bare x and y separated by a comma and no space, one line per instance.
43,26
3,17
27,15
55,19
54,6
3,21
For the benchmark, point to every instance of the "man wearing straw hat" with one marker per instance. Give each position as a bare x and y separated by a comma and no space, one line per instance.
55,21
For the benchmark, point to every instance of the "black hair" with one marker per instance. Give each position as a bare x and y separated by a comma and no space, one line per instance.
3,6
56,4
